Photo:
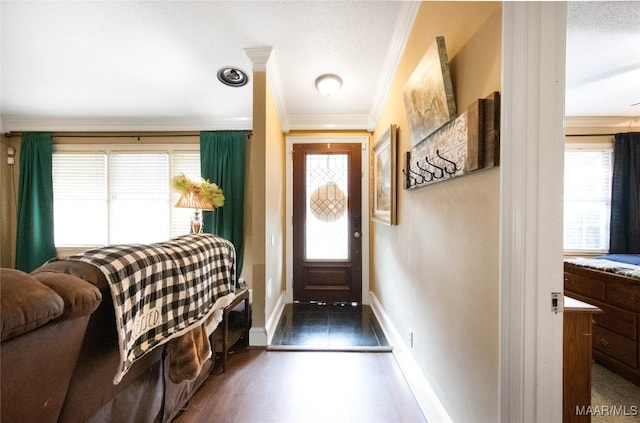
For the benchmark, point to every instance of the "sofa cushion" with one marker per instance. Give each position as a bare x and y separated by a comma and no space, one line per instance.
84,271
25,303
79,296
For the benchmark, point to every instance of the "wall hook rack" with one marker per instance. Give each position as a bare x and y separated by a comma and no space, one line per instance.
428,170
466,144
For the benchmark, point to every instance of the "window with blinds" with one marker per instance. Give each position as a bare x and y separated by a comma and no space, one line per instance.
80,203
118,197
587,198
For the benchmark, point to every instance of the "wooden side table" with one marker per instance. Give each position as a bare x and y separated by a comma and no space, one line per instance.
230,336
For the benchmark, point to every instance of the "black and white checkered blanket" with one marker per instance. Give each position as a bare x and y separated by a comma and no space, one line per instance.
161,291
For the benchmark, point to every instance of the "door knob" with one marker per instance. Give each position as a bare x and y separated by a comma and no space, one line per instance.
357,234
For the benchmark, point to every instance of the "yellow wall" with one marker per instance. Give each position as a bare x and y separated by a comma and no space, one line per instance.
8,201
437,272
264,229
256,185
275,206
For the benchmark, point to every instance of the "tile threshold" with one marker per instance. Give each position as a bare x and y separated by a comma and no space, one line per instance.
329,348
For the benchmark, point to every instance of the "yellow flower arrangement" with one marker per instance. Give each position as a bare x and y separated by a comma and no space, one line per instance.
207,191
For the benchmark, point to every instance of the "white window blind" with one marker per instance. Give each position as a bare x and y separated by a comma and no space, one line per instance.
80,199
139,198
587,199
117,197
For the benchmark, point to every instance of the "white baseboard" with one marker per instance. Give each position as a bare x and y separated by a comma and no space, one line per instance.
262,336
274,318
258,337
427,399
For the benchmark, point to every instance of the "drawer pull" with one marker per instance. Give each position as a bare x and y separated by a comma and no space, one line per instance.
602,341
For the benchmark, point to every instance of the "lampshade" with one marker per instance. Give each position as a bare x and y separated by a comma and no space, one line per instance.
329,84
190,200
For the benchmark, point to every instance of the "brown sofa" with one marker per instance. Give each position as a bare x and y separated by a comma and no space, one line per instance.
145,394
43,325
61,355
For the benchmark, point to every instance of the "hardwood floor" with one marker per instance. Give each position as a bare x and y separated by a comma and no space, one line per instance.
291,386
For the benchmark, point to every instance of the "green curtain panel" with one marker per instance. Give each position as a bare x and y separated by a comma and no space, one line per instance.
35,243
223,161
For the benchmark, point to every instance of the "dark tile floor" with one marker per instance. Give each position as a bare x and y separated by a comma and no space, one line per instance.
329,327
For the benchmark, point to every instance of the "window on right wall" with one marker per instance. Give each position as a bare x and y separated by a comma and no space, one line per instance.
587,198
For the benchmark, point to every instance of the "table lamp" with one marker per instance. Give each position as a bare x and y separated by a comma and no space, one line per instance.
191,200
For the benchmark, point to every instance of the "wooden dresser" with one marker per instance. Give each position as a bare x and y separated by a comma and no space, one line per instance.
616,333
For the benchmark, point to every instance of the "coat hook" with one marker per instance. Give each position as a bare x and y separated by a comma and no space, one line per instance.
455,167
409,180
426,159
421,176
431,174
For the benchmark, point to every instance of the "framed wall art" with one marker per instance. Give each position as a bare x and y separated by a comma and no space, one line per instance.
385,155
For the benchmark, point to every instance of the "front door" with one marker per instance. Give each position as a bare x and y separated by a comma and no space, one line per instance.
327,219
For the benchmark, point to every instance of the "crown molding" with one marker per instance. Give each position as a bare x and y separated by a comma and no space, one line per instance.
400,36
64,124
624,122
329,122
273,75
259,57
264,60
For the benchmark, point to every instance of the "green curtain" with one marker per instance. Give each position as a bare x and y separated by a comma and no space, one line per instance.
223,161
34,239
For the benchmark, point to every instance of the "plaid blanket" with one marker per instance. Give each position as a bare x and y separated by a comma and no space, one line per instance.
161,291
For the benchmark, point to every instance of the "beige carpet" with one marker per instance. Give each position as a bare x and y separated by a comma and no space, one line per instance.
613,399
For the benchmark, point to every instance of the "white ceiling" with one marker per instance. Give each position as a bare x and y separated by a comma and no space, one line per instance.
603,58
142,65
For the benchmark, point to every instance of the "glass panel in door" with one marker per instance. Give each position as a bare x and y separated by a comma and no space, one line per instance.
327,223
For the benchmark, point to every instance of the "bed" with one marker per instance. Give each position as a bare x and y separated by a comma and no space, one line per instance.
612,283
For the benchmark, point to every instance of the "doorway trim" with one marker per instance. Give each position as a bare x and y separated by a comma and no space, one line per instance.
363,140
531,203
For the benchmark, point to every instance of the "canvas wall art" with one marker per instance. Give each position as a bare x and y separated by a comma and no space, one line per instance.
428,94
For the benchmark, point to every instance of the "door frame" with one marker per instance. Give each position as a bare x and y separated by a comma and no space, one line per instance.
531,204
363,140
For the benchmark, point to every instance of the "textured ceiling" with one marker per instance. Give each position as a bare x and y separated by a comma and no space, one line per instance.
603,59
158,60
152,64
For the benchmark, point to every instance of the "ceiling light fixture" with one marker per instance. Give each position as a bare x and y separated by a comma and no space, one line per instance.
232,77
329,84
